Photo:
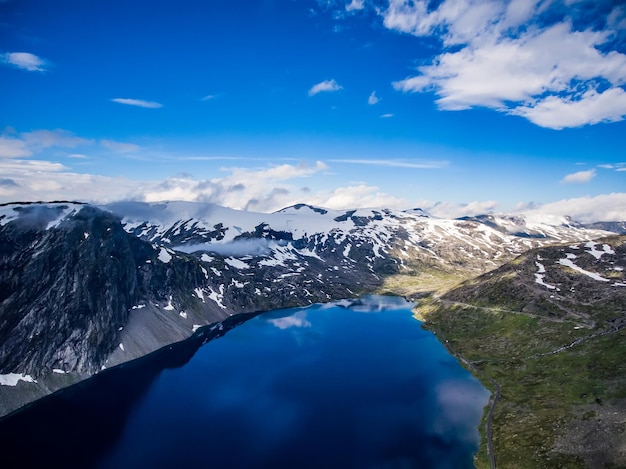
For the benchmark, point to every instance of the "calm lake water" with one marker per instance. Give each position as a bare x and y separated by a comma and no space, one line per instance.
354,384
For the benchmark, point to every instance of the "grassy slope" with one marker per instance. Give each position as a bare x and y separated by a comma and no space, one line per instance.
564,409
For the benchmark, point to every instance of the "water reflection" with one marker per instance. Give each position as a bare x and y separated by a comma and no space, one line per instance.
322,386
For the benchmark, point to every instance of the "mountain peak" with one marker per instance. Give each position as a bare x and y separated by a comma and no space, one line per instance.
297,207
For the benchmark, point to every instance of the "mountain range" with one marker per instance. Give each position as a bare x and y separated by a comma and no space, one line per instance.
84,288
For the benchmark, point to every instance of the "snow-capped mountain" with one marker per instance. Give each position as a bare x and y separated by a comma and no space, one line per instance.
84,288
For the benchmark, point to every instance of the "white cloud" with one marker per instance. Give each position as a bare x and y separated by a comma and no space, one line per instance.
25,61
386,116
208,97
20,168
325,86
395,163
268,190
373,99
47,180
605,207
137,102
27,143
579,177
119,147
455,210
40,139
355,5
504,58
591,108
11,147
262,190
359,196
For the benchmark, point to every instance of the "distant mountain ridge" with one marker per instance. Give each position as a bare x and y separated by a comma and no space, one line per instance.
85,287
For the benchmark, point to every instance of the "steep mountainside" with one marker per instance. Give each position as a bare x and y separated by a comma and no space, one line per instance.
546,332
82,287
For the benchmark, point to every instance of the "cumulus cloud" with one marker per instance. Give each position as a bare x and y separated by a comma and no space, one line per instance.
262,190
444,209
524,57
373,99
355,5
137,102
579,177
605,207
325,86
360,196
47,180
12,147
386,116
25,61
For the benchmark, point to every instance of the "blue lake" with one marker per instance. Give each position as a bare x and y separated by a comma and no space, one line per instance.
354,384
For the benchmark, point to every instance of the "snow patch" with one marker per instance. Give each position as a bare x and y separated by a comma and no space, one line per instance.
346,251
541,270
606,249
199,293
571,265
164,256
169,306
218,297
206,258
121,346
236,263
183,315
540,281
11,379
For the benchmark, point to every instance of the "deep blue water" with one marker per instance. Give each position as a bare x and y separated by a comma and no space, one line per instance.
352,385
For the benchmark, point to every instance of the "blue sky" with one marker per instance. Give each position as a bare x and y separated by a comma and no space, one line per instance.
459,106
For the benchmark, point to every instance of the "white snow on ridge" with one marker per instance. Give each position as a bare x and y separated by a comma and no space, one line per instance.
218,297
236,263
199,293
539,276
540,267
571,265
12,212
606,249
169,306
164,256
12,379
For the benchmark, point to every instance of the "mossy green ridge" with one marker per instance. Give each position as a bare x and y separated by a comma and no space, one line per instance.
552,336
